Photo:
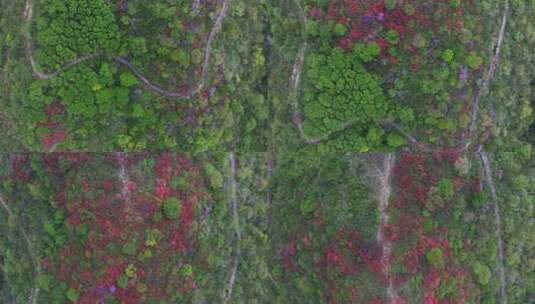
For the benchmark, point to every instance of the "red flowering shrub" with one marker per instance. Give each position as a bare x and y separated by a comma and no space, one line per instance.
364,18
429,251
127,249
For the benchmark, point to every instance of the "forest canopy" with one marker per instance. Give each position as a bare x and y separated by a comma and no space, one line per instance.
340,91
70,28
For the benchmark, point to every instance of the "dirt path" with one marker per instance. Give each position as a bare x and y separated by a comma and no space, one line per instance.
123,176
37,266
485,162
418,145
5,205
488,77
295,79
185,93
385,190
297,116
32,299
227,294
484,88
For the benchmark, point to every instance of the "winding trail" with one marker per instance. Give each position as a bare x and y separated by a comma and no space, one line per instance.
191,91
489,76
227,295
295,79
418,145
485,162
32,298
385,190
180,93
298,66
28,47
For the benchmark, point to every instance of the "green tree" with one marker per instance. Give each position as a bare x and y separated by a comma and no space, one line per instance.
307,206
186,270
69,28
435,257
448,55
340,29
128,79
181,57
390,4
43,282
446,188
73,295
129,248
482,273
122,281
340,90
474,61
392,36
395,140
406,115
138,46
366,51
171,208
215,177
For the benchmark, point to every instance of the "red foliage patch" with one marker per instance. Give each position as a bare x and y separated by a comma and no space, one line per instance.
20,166
415,175
364,18
114,220
164,166
162,190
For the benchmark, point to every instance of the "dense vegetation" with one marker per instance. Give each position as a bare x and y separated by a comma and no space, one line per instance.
342,92
288,151
136,75
68,29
